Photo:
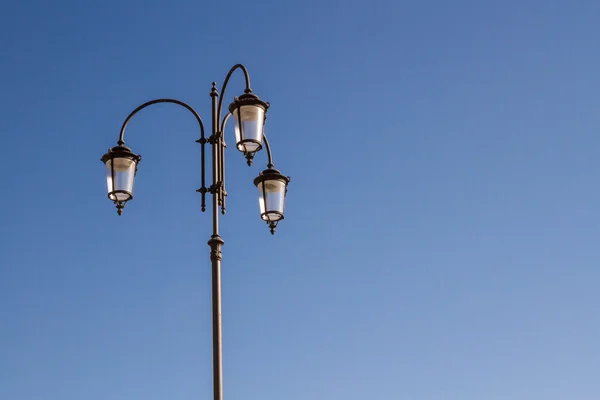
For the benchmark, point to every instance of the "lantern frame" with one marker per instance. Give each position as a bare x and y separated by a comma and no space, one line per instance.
248,99
271,174
112,154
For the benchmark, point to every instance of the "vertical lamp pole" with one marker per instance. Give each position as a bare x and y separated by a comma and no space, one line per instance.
249,114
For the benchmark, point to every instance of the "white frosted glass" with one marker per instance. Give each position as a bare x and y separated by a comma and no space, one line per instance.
252,122
124,173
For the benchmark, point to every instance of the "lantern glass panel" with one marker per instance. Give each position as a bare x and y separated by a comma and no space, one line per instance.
272,197
252,118
120,178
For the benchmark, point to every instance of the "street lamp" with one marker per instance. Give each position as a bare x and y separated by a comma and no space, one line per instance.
249,113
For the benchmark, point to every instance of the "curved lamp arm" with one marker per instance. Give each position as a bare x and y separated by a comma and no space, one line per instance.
224,122
202,140
121,142
224,87
270,164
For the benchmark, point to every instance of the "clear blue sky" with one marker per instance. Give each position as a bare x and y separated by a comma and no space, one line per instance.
442,225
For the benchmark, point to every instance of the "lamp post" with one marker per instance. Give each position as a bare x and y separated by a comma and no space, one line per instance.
249,113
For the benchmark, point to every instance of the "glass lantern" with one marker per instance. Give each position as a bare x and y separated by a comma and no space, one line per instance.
249,113
121,167
272,188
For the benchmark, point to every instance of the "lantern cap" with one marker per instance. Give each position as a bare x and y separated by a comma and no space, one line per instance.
271,174
120,152
248,99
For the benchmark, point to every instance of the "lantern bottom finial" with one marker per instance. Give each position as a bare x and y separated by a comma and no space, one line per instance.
120,205
250,157
273,226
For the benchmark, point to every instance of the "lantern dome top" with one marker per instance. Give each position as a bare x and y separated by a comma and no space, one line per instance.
120,152
248,99
269,174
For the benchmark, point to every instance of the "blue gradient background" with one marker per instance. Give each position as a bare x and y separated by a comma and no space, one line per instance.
442,225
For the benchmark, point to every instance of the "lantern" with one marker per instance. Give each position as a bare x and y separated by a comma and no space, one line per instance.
249,113
121,167
272,187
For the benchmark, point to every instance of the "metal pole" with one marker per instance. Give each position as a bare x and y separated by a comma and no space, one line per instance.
216,244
